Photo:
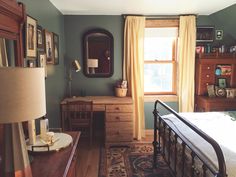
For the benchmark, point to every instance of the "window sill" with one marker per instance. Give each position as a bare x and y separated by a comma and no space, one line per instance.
164,98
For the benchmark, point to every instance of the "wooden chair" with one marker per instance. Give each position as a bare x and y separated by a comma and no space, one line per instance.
80,117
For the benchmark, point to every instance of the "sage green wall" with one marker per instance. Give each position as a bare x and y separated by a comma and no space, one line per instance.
51,19
222,20
75,27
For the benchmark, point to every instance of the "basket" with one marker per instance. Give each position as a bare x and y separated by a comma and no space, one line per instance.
120,92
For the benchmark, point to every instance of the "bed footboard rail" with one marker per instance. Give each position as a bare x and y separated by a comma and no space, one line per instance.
163,145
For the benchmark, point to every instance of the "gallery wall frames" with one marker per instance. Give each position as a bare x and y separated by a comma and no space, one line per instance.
38,41
31,37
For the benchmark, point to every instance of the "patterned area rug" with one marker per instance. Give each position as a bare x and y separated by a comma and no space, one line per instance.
131,162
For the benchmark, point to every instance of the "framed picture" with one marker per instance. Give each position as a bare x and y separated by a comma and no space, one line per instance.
219,34
42,61
222,82
40,38
31,43
3,53
49,47
211,90
205,34
56,48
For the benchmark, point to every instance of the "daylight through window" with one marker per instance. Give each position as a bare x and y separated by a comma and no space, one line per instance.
160,46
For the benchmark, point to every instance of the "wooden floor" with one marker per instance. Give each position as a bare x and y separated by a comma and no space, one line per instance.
89,156
88,165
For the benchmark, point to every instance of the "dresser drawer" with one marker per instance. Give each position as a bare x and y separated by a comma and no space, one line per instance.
119,117
119,131
119,108
207,77
207,68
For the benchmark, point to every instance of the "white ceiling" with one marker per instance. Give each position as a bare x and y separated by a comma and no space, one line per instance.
142,7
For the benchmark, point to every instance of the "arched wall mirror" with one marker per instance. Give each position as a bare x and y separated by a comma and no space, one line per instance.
98,53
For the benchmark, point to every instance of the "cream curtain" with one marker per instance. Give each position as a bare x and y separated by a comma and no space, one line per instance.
187,42
133,68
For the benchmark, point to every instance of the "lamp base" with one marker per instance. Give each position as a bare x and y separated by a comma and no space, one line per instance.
16,160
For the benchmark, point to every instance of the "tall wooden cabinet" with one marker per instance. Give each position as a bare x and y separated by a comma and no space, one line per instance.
206,65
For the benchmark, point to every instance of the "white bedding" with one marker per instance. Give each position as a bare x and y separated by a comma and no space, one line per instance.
220,127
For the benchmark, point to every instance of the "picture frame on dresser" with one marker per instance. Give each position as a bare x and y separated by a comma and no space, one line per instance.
31,37
42,61
222,82
3,53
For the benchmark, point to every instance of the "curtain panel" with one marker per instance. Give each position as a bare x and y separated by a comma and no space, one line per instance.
186,57
133,69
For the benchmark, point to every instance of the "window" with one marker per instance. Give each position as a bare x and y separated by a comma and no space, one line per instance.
160,46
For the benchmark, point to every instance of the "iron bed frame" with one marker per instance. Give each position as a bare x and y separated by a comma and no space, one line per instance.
163,145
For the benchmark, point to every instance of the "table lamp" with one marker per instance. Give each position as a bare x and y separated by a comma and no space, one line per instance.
92,64
74,66
22,98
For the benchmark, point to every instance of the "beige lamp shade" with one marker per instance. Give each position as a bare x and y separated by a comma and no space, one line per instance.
92,63
22,94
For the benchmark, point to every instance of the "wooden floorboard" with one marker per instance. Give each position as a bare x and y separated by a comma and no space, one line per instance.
88,165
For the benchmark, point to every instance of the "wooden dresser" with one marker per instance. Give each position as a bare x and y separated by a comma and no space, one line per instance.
60,163
206,65
205,103
118,117
119,125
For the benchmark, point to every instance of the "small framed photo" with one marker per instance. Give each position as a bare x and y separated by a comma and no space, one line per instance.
56,48
219,34
31,37
3,53
42,61
222,82
49,47
40,38
211,90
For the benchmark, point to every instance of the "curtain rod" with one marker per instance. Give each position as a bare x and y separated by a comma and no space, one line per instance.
159,16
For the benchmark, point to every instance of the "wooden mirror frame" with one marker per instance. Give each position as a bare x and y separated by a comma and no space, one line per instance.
107,53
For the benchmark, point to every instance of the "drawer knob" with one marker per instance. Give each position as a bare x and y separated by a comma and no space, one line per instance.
117,132
117,118
207,75
208,67
117,108
207,83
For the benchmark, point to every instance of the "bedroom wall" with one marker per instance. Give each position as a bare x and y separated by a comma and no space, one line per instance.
75,27
51,19
222,20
